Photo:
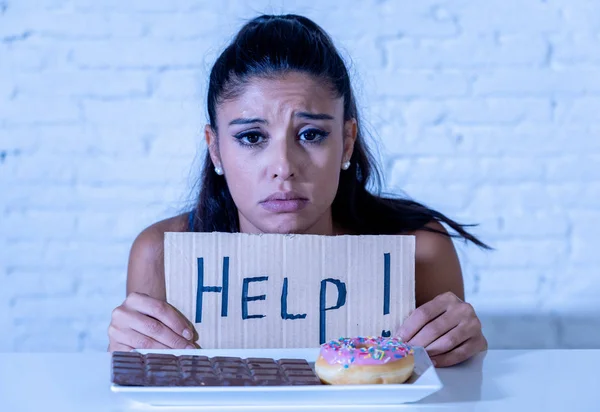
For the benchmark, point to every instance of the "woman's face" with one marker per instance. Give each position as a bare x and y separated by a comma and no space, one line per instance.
281,144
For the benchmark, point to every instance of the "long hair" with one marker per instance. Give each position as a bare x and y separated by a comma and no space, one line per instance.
270,45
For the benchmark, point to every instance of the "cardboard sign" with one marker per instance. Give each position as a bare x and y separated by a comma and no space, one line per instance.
279,291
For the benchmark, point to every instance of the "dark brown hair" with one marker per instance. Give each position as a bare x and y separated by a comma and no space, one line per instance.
270,45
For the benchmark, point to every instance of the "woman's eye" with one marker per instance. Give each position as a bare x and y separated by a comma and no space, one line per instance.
313,135
250,138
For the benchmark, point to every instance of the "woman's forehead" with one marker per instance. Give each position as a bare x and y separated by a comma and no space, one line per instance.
282,96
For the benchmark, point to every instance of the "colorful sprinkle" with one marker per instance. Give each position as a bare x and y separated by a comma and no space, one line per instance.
373,350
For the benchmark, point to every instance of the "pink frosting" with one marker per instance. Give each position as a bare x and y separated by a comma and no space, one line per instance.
364,351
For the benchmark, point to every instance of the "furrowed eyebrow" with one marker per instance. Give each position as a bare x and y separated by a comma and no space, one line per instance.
247,121
302,115
314,116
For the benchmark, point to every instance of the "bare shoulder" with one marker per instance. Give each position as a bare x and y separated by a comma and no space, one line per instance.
437,268
431,246
145,271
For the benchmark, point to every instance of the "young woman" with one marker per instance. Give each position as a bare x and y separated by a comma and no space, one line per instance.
286,155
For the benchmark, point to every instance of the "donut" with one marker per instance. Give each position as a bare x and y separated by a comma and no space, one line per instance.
365,360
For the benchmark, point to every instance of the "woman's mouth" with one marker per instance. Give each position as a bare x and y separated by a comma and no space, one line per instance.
284,202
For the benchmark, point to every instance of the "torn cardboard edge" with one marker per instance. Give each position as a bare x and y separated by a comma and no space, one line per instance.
282,291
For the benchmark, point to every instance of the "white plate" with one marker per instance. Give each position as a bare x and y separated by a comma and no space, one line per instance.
422,383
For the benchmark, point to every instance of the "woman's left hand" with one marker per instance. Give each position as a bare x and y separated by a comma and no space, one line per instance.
447,328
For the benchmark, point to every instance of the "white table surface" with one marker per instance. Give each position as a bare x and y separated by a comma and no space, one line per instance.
528,380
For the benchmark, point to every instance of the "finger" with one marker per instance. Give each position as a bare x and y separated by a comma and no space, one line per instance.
161,311
420,317
434,330
115,336
191,327
136,340
450,340
154,329
459,354
468,327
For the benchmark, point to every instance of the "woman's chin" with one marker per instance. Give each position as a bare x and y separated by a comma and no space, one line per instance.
306,221
288,228
287,224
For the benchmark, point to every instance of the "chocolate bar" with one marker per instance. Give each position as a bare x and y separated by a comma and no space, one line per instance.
154,369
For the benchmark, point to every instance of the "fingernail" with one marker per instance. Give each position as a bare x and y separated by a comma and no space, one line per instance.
187,334
190,347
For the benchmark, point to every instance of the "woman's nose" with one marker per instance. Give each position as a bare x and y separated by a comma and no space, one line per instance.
282,164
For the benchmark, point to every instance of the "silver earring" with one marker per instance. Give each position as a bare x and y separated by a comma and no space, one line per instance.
345,165
219,170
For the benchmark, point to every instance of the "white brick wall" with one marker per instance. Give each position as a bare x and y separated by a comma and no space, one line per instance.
485,110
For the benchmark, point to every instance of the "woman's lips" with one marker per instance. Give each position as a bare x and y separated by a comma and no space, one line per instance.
284,206
284,202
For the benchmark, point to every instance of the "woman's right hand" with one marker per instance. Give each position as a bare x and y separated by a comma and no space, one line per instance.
144,322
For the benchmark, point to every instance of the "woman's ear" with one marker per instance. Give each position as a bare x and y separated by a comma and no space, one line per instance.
350,132
211,142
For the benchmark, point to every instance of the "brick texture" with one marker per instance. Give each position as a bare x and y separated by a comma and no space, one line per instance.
487,111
